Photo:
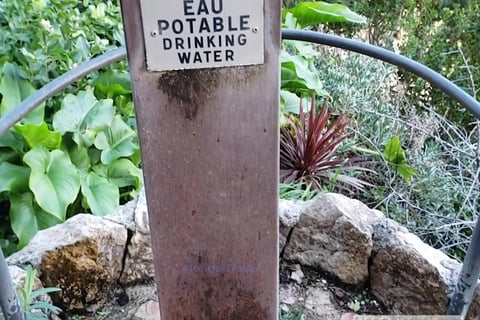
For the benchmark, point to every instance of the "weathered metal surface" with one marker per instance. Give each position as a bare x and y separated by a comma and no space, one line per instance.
209,141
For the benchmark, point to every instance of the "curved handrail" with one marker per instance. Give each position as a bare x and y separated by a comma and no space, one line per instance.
391,57
471,267
57,85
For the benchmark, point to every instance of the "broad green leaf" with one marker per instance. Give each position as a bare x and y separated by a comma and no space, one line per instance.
136,157
313,13
393,151
9,155
112,83
289,102
102,196
13,178
36,135
289,21
78,155
27,218
54,180
84,116
23,217
298,77
14,89
405,170
116,141
12,140
121,172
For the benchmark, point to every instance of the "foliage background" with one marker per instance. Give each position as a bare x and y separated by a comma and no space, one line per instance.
89,129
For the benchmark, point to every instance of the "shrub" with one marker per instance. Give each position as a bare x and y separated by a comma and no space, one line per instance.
78,152
309,149
443,35
440,201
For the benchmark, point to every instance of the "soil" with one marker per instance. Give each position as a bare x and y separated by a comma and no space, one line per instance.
346,298
124,303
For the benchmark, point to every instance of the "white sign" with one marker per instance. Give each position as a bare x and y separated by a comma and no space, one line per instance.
192,34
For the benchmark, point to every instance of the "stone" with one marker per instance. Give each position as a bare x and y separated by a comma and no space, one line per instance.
334,234
297,275
319,306
289,211
139,257
125,214
409,276
312,304
83,257
150,310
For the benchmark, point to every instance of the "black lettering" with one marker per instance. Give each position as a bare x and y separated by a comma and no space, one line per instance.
162,26
190,23
218,57
177,26
167,44
187,8
242,39
198,42
230,26
197,57
184,57
220,7
228,55
210,42
217,24
229,40
204,26
202,7
179,44
207,55
244,22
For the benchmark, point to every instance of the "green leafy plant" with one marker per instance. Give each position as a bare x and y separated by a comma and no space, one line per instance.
299,75
30,303
86,159
308,149
394,154
312,13
297,191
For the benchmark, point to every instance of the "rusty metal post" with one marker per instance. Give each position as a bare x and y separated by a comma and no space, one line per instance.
208,128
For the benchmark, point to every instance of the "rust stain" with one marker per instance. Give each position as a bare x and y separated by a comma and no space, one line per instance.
190,88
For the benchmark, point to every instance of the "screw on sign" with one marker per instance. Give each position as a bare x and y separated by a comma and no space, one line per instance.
200,69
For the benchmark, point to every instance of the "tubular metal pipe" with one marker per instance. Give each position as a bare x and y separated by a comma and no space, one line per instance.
57,85
9,303
467,280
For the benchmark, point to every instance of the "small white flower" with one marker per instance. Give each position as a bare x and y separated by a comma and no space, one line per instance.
47,25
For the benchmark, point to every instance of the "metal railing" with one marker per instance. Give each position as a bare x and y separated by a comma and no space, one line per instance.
464,289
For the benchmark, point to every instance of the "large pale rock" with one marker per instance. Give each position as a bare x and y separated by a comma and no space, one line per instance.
408,275
125,215
289,212
82,256
139,258
334,233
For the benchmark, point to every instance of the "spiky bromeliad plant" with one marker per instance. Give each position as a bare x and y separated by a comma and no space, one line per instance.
308,150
